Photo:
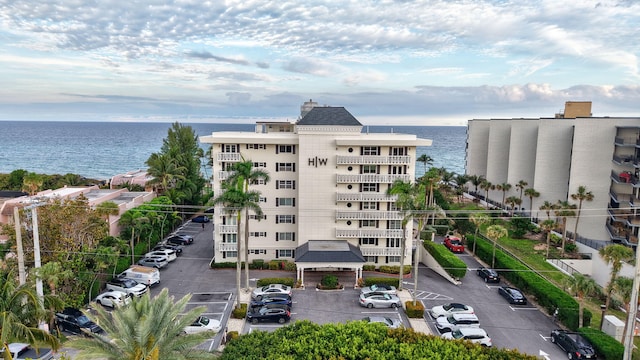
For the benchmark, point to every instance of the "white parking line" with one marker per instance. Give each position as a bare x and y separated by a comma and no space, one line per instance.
522,308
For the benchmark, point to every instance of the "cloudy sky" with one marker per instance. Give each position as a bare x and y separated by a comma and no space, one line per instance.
388,62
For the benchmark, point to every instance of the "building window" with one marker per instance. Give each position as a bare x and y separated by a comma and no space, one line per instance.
230,148
291,149
393,207
257,217
285,167
259,164
258,234
370,150
398,151
285,236
285,184
369,187
393,243
257,146
368,241
229,238
258,182
394,224
371,259
285,253
229,254
397,170
258,251
368,169
368,205
393,259
286,202
368,223
285,219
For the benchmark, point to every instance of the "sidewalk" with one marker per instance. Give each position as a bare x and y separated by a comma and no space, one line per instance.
418,325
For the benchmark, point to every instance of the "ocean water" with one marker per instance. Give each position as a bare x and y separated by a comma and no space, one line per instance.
100,150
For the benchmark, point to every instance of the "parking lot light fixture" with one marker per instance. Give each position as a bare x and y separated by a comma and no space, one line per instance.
603,309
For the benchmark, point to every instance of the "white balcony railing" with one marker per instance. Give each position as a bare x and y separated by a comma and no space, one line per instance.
373,160
380,251
227,157
372,178
223,175
368,233
368,215
227,229
365,197
227,247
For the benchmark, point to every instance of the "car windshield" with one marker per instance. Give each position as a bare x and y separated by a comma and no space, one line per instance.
455,242
82,320
457,334
128,283
386,297
203,320
373,287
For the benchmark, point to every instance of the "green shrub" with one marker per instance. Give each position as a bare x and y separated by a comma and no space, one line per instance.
416,311
381,280
274,265
257,264
267,281
368,267
232,335
452,264
395,269
226,265
290,266
241,312
329,282
605,345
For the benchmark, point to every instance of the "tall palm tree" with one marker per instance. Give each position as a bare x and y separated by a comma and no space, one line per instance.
531,193
548,207
146,329
521,185
402,190
614,255
426,160
581,286
504,187
478,219
563,210
165,172
446,177
495,232
581,195
242,175
476,181
20,312
547,226
623,287
461,181
513,201
32,183
486,186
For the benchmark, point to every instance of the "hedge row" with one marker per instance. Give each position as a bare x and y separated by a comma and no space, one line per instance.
546,294
451,263
604,344
381,280
257,265
267,281
389,269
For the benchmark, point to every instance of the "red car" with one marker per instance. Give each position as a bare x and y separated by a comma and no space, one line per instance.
454,244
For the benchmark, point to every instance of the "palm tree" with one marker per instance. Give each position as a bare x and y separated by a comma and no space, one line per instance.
20,312
461,181
146,329
521,185
563,210
531,193
426,160
504,187
581,195
513,201
547,207
446,177
32,182
614,255
486,186
165,172
242,174
547,226
581,286
403,191
623,286
495,232
478,219
52,274
476,180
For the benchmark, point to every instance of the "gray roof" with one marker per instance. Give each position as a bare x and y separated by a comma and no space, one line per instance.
329,251
327,115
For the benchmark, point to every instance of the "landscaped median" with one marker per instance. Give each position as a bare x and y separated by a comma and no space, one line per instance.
416,320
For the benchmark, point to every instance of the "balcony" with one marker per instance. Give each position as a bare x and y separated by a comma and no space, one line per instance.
371,178
368,215
623,199
373,160
365,197
626,141
227,229
624,177
223,175
626,160
380,251
229,157
227,247
369,233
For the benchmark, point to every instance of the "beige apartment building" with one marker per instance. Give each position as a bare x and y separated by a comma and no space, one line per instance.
325,205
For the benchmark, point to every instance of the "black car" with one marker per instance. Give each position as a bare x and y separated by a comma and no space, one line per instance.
272,299
576,346
74,321
489,275
210,210
273,312
200,219
513,295
180,239
168,246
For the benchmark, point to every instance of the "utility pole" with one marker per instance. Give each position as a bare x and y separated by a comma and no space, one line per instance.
36,252
633,309
22,276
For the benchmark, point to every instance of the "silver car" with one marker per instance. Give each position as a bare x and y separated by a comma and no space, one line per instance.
388,322
380,301
279,289
156,261
379,288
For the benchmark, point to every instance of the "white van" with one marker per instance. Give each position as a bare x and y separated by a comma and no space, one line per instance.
142,274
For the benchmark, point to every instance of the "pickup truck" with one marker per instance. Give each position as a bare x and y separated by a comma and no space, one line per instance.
20,351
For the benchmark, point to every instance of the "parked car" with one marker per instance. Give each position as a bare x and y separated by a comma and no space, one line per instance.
202,324
127,286
200,219
113,299
387,321
168,253
272,299
23,351
380,301
74,321
210,210
180,239
260,292
576,346
379,288
156,261
488,275
167,246
475,335
142,274
454,244
513,295
456,321
450,308
272,312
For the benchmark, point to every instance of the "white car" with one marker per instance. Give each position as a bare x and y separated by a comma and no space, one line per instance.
113,299
201,324
450,308
475,335
168,253
280,289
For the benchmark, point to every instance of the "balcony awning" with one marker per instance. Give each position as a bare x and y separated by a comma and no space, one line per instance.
328,251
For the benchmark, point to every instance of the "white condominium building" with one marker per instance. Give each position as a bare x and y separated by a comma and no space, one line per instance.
325,205
557,155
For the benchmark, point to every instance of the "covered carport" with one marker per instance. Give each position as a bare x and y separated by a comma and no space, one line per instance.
322,255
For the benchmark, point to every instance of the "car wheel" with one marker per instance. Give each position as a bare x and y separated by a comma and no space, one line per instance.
254,321
486,280
553,339
394,305
259,297
281,320
99,302
369,306
570,356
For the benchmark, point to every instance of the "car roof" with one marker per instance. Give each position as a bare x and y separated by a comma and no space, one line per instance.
459,316
472,331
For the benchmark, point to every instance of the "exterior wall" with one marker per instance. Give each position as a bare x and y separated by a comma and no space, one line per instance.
477,147
522,155
498,152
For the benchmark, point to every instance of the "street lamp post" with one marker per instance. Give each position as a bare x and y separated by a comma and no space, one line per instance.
603,309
